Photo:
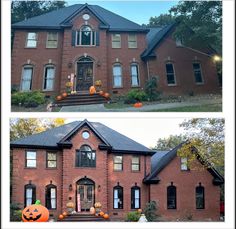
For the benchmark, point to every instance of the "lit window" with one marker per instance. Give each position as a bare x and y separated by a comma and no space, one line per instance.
51,160
134,75
26,80
30,159
184,163
118,163
31,40
116,41
52,40
197,73
117,76
170,74
135,163
49,75
132,41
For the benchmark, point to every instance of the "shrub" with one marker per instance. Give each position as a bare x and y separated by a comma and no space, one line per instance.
133,216
28,99
135,95
150,211
15,212
151,89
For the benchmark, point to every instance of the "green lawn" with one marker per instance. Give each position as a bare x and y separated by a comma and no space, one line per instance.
201,108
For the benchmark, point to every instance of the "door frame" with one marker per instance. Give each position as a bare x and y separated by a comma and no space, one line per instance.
80,60
84,181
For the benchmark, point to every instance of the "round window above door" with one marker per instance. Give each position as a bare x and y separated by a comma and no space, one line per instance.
86,17
85,134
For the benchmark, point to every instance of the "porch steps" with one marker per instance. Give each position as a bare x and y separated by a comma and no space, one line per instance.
82,98
82,218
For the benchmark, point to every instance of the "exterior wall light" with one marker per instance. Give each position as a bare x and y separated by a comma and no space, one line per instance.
70,187
99,188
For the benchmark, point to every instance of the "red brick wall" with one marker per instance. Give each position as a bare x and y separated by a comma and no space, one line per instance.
40,176
186,182
182,59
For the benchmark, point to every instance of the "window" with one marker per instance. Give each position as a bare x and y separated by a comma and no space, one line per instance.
85,157
184,163
51,159
134,75
118,197
49,75
197,73
30,194
118,163
31,41
85,135
171,197
135,197
52,39
85,36
200,198
116,41
51,196
178,42
30,159
117,76
26,81
170,74
135,163
132,41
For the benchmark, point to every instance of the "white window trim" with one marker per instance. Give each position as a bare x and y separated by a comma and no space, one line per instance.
26,159
22,75
136,41
47,41
45,66
36,39
171,84
94,35
115,41
135,64
198,83
117,64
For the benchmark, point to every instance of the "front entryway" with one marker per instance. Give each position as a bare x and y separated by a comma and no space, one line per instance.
84,74
85,194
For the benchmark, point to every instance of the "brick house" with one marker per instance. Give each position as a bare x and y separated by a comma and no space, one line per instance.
84,43
85,162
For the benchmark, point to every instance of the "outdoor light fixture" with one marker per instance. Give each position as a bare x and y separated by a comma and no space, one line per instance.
99,188
216,58
70,187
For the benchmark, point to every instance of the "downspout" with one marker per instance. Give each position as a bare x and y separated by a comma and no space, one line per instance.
148,73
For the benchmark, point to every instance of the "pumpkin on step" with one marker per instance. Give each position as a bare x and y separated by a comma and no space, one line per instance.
92,90
101,93
106,216
61,217
64,94
92,210
64,214
35,213
101,213
59,97
106,95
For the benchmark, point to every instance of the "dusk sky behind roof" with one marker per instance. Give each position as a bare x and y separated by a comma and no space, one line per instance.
136,11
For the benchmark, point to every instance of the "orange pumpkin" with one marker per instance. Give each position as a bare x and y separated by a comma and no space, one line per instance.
138,104
106,216
92,210
64,214
35,213
92,90
101,213
106,95
139,210
101,93
59,97
61,217
64,94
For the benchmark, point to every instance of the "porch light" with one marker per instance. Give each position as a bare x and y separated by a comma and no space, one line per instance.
70,187
217,58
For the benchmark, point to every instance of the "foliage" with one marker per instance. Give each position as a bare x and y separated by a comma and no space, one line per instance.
207,136
151,89
28,99
22,10
22,127
150,211
205,20
135,95
169,143
161,20
15,212
133,216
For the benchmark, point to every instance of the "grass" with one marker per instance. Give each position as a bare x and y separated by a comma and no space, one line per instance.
199,108
117,105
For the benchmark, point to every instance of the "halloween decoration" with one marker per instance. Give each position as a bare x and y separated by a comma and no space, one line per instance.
64,214
61,217
106,95
138,105
92,210
101,93
101,213
106,216
59,97
35,213
92,90
70,205
97,205
64,94
139,211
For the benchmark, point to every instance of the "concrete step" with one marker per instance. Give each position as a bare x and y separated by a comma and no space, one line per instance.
82,218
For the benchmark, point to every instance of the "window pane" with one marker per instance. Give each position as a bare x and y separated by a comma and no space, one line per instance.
26,78
52,164
31,155
85,148
53,203
52,156
116,41
169,68
32,36
118,167
197,72
29,193
117,159
31,163
53,193
135,167
135,160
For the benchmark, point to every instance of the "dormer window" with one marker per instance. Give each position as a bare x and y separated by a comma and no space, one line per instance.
85,36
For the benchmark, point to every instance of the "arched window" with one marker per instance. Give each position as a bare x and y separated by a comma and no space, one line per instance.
118,197
134,75
200,197
30,194
85,157
171,196
117,75
49,76
85,36
26,79
135,197
51,196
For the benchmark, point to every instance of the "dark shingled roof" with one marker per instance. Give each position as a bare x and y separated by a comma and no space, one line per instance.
62,18
110,137
162,158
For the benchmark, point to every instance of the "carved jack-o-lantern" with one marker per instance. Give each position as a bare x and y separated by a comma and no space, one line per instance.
35,213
